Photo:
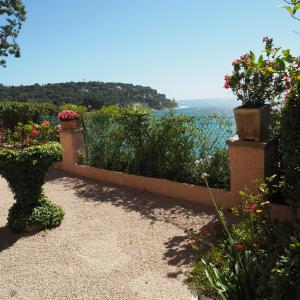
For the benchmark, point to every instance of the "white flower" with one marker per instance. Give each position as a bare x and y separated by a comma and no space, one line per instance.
204,176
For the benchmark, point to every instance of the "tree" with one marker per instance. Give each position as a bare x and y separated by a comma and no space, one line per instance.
292,7
12,16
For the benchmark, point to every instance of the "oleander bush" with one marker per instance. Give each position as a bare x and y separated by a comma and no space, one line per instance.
31,134
25,167
133,140
12,113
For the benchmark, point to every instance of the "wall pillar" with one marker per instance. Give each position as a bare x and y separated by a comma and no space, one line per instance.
72,143
250,161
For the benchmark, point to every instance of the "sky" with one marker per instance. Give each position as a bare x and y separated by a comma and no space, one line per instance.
182,48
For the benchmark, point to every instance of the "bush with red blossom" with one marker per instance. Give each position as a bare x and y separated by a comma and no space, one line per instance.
257,81
26,135
253,257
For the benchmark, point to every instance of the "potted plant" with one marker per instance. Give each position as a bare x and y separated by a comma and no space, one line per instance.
256,82
25,156
70,119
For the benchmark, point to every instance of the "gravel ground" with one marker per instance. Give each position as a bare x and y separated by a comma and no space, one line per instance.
114,243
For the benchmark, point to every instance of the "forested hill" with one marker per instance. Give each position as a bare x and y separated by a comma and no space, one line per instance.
93,94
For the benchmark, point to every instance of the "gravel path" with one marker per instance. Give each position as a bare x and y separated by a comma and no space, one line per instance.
114,243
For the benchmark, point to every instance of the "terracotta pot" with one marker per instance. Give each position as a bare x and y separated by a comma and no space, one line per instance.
72,124
252,123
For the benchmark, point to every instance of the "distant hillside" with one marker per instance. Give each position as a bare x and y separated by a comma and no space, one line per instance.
93,94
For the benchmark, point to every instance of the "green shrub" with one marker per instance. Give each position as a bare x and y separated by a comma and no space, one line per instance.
290,146
131,139
12,113
216,166
25,170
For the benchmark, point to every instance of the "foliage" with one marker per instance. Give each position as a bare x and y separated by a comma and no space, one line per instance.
92,94
253,258
12,113
257,81
31,206
217,168
133,140
13,15
30,134
68,115
292,7
289,130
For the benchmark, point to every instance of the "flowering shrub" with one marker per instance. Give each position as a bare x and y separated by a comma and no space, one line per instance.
12,112
25,156
258,81
68,115
30,134
253,258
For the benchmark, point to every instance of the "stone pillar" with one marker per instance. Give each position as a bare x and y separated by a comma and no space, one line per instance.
250,161
72,142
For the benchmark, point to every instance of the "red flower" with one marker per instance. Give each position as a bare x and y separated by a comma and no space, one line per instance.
35,132
46,123
251,207
238,246
68,115
58,128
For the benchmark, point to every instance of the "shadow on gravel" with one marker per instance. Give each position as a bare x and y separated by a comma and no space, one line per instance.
157,208
179,251
9,237
185,215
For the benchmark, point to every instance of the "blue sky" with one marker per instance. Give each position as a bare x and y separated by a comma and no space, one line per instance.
182,48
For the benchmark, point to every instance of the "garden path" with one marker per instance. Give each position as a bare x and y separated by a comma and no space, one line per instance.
114,243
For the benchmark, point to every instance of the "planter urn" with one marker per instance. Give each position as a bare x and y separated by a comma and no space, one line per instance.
252,123
72,124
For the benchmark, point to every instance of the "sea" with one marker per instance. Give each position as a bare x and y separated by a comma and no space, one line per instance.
202,107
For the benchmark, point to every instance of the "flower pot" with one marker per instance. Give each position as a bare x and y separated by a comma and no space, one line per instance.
252,123
72,124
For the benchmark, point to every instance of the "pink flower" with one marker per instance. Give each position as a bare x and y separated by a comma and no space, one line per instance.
227,82
265,39
68,115
235,62
46,123
35,132
27,142
58,127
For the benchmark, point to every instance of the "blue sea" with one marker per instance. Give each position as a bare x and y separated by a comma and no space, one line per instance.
204,107
201,107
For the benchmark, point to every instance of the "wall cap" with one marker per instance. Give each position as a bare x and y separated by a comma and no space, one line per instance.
235,141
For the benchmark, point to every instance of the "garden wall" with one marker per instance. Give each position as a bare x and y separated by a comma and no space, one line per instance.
249,161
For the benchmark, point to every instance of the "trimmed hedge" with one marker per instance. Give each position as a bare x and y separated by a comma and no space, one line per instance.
25,170
12,113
